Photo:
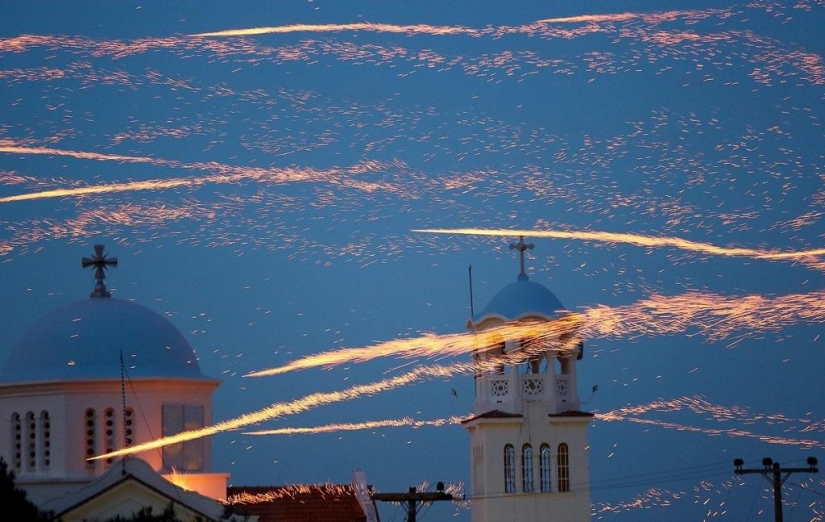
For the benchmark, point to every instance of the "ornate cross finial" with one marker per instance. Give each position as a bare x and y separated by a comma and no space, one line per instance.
101,263
521,246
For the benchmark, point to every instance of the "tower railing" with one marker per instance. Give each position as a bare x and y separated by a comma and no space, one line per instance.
508,391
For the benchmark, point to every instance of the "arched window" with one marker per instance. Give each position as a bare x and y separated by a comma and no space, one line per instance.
17,437
45,440
110,431
90,438
31,442
545,468
564,468
527,469
509,469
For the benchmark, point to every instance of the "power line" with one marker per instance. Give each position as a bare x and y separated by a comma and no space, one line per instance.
658,477
776,475
412,501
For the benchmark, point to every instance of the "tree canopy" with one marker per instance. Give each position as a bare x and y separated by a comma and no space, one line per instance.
15,502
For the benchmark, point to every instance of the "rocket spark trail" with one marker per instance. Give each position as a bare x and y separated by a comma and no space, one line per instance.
713,316
697,405
357,426
439,30
333,28
637,240
430,345
219,174
282,409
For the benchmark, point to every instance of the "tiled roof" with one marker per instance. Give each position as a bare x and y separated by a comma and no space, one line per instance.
493,414
297,503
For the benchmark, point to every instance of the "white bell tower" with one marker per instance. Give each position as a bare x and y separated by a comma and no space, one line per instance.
528,437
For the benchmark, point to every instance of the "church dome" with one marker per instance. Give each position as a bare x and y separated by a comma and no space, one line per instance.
85,339
522,299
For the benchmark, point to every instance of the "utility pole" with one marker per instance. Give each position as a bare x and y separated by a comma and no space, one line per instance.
411,499
776,475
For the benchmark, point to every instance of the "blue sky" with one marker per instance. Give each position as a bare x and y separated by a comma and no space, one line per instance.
262,192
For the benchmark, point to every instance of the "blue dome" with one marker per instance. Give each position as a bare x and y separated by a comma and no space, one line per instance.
83,340
521,299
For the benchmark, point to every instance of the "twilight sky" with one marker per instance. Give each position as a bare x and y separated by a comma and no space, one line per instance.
261,170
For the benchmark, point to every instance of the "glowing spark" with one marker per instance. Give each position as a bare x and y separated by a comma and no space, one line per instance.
428,345
700,406
697,405
329,28
427,29
591,18
770,439
9,147
330,428
179,479
635,239
291,491
225,174
281,409
714,316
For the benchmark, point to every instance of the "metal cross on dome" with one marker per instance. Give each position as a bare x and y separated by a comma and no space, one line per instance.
100,262
521,246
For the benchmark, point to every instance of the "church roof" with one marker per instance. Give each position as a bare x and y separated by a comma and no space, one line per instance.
111,491
85,339
521,299
298,503
493,414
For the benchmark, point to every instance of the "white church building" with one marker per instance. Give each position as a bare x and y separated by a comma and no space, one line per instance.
528,437
97,375
101,374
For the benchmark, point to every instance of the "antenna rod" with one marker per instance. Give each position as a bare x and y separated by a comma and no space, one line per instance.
472,313
123,400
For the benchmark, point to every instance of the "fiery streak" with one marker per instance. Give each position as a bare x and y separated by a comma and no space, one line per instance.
281,409
714,316
426,29
330,28
770,439
10,147
698,405
225,174
638,240
720,414
329,428
429,345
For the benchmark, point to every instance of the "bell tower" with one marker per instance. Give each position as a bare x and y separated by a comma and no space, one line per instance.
528,436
